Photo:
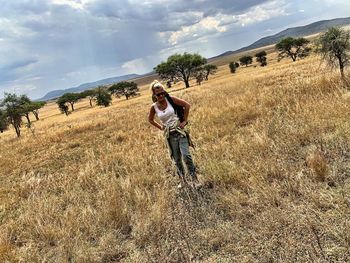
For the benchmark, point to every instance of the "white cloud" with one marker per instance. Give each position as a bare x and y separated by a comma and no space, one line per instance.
22,88
261,13
76,4
221,23
12,30
208,25
138,66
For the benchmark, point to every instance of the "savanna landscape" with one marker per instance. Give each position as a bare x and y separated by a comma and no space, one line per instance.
273,154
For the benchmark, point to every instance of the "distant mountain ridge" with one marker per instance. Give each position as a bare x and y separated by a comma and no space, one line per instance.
57,93
299,31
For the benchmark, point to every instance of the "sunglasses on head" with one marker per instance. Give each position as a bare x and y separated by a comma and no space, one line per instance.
160,94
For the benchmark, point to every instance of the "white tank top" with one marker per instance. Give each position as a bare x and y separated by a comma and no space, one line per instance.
167,116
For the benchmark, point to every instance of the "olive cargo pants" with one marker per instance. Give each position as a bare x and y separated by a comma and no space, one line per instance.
181,152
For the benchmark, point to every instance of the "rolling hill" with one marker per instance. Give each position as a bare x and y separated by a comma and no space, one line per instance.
300,31
56,93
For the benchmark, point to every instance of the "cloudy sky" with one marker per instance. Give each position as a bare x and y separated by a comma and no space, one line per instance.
57,44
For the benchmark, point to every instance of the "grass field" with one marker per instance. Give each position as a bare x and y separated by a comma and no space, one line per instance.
273,152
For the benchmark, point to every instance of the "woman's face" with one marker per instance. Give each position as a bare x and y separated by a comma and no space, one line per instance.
159,93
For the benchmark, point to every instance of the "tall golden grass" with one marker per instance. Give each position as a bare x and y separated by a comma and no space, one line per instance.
273,152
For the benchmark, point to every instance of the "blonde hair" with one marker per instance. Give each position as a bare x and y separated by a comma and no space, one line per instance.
155,84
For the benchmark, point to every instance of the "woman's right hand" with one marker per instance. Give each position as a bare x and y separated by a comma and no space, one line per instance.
183,124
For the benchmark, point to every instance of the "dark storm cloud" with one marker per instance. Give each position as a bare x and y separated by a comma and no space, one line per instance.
169,15
86,39
123,9
214,7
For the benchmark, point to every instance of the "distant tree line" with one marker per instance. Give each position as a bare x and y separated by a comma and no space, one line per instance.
247,60
101,95
13,108
333,46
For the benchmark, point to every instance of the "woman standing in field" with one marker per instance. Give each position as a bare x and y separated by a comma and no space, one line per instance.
173,115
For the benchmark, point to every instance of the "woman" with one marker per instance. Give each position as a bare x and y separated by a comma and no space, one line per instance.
173,114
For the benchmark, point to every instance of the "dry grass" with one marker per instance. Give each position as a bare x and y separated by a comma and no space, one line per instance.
273,150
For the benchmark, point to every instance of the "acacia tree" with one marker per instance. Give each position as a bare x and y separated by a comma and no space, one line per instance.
3,121
180,67
114,90
71,98
91,94
103,98
232,66
124,88
31,107
334,48
293,48
26,108
199,77
209,69
261,58
36,106
166,73
62,105
246,60
13,106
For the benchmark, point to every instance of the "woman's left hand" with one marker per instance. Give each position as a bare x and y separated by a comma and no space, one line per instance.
182,124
